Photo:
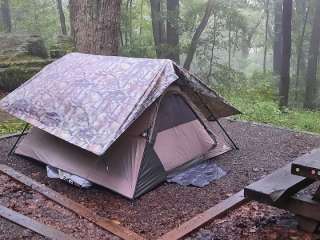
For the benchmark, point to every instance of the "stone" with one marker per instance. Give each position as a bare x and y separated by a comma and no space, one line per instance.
21,56
16,45
63,45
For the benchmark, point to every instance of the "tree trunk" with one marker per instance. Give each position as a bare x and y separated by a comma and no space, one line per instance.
62,18
277,43
212,48
286,53
96,25
158,27
197,34
6,15
266,37
141,22
311,77
229,42
172,30
303,15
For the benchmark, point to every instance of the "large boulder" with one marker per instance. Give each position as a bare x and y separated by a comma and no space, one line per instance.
21,56
13,45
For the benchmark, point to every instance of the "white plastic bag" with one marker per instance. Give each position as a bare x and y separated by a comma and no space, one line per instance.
53,172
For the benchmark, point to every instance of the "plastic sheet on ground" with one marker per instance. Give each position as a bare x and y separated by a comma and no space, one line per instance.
199,175
53,172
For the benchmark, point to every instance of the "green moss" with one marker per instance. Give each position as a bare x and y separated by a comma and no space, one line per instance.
14,73
12,126
13,76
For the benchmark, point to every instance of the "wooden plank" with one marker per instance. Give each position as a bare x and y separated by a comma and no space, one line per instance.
308,165
24,221
203,218
276,187
75,207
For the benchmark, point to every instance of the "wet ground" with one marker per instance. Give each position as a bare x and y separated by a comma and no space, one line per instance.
262,150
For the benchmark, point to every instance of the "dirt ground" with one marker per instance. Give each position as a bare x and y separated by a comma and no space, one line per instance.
262,150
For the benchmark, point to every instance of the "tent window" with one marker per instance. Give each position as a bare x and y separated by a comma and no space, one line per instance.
173,111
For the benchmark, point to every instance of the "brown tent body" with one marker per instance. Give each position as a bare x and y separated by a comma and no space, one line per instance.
169,135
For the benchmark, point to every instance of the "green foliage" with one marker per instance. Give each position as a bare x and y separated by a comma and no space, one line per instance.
136,30
259,103
223,77
37,16
12,126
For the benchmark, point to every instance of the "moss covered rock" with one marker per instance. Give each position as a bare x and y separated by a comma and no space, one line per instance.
63,45
21,56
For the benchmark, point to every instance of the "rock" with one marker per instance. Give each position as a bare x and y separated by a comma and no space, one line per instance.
21,56
63,45
14,45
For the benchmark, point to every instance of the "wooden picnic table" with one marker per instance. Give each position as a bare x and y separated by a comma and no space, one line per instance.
283,187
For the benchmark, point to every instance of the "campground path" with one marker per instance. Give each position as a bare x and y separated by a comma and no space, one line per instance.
262,150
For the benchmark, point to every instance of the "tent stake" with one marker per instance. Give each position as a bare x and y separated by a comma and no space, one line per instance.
17,141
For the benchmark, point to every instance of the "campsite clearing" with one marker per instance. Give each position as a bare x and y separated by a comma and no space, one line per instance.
262,150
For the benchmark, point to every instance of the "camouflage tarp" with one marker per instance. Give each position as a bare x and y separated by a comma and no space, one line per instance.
90,100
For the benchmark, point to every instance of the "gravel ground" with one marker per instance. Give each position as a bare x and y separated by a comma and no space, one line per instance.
253,221
11,231
262,150
32,204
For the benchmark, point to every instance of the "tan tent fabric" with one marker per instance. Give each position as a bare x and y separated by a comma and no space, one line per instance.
117,169
178,145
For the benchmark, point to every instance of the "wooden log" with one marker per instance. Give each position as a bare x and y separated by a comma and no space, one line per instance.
73,206
27,222
203,218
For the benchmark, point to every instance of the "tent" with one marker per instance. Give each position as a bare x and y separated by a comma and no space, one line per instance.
123,123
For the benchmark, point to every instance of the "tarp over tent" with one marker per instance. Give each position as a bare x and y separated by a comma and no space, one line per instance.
123,123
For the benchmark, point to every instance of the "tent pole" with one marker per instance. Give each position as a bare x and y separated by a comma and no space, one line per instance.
17,141
224,131
216,119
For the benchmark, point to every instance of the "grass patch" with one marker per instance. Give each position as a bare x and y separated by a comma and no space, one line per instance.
11,126
264,109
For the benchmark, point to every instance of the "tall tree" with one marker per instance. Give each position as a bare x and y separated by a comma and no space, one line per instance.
62,18
172,30
95,25
311,77
6,15
277,42
197,34
158,27
266,35
286,53
303,15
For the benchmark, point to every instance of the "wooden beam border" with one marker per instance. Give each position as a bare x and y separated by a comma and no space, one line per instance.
71,205
27,222
199,220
